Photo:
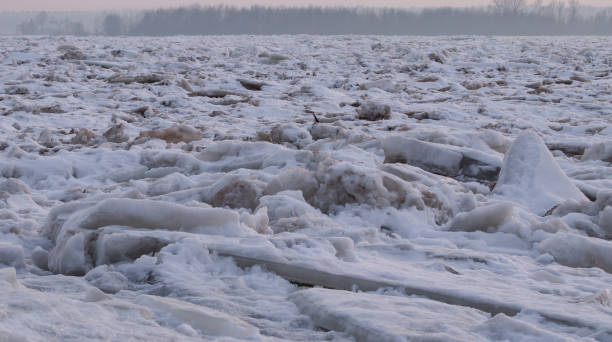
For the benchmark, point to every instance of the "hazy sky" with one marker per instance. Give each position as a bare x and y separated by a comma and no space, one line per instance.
80,5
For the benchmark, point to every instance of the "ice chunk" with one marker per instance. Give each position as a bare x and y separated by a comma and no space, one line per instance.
251,84
385,85
46,139
373,111
495,140
9,275
374,317
83,137
599,151
186,329
115,247
602,297
11,255
578,251
504,328
40,258
14,186
290,134
230,155
341,183
170,183
293,179
116,134
127,79
174,134
69,256
74,236
483,218
605,221
94,294
531,177
288,211
327,131
441,159
585,223
106,280
428,156
345,248
259,221
173,312
234,191
157,215
604,199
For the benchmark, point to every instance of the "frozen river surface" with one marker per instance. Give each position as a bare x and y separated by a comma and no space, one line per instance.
305,188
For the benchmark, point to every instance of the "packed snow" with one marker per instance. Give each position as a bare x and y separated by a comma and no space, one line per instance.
348,188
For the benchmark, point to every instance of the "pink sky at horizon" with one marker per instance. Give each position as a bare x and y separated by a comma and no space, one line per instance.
80,5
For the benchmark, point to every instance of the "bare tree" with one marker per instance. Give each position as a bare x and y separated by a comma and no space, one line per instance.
112,25
537,7
510,6
573,10
557,9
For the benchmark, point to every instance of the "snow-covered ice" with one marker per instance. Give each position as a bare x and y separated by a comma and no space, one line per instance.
305,188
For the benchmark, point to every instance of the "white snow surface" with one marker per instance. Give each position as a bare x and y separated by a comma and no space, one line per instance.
348,188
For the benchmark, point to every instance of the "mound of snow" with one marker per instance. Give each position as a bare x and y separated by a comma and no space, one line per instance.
531,177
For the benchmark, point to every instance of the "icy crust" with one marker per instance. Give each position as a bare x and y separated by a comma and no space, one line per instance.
209,188
379,317
370,317
208,321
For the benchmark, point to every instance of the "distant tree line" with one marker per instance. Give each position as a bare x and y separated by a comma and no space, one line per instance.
503,17
43,23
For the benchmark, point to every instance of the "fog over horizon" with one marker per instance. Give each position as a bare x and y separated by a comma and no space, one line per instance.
109,5
491,17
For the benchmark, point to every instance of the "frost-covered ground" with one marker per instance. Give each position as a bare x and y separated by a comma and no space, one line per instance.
179,189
